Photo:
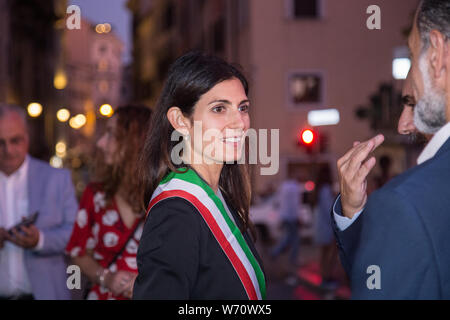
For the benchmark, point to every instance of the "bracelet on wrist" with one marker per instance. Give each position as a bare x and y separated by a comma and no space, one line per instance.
102,276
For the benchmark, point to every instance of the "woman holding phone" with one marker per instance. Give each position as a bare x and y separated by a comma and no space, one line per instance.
196,242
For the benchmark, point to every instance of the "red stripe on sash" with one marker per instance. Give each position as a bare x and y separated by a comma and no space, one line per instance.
218,234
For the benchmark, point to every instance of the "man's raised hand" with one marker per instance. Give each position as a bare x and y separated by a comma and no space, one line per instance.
353,169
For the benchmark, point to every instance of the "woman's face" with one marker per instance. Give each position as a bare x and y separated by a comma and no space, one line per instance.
108,142
223,116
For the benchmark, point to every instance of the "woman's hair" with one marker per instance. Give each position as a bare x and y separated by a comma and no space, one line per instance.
131,127
189,77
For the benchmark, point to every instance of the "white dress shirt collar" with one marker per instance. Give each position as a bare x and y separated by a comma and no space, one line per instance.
435,144
19,173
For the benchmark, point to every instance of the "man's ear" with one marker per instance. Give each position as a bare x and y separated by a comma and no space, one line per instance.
447,59
439,54
178,121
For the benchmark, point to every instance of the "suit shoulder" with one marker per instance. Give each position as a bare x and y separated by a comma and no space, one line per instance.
416,190
419,177
43,167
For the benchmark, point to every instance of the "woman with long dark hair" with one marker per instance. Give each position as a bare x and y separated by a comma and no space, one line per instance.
109,224
196,242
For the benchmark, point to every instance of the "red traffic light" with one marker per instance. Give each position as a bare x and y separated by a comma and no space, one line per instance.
310,186
307,136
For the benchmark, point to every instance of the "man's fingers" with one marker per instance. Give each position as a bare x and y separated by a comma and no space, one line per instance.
350,154
359,156
362,153
30,231
342,162
16,238
365,169
377,140
27,230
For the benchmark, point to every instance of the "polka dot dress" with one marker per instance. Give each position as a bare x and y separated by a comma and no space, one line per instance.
100,230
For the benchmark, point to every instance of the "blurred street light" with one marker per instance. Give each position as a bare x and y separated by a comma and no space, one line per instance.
325,117
401,63
34,109
107,27
63,115
61,149
400,68
60,80
103,28
56,162
106,110
99,28
77,121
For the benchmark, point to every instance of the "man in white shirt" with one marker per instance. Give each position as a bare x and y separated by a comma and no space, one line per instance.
289,199
31,257
396,244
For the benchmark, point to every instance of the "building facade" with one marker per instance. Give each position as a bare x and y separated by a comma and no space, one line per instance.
163,30
93,67
300,56
29,42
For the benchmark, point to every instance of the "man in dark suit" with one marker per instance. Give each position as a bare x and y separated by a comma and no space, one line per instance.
395,245
31,257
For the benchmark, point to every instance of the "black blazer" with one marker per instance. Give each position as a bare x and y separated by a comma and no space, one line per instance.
179,257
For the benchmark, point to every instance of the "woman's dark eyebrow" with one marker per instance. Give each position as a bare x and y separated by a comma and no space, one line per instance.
228,102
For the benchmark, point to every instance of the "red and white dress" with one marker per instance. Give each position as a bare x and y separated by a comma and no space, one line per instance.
99,227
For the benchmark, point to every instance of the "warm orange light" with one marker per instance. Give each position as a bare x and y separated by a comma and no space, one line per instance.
78,121
100,28
103,28
61,149
63,115
60,80
106,110
106,27
34,109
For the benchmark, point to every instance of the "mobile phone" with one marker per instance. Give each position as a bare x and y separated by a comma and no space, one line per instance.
25,222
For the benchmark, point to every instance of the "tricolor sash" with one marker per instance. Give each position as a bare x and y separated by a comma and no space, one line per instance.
189,186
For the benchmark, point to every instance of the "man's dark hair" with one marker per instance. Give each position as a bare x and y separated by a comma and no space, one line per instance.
433,15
